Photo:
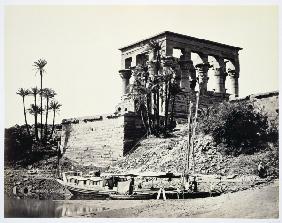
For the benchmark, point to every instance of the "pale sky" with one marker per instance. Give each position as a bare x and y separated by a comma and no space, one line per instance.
81,45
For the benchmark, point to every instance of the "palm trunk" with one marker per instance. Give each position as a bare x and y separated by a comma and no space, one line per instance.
158,108
41,129
27,128
143,120
172,110
149,113
155,111
35,120
188,139
166,105
46,119
194,129
53,125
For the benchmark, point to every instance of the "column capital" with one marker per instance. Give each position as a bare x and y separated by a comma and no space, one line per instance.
125,73
168,61
233,73
186,64
203,67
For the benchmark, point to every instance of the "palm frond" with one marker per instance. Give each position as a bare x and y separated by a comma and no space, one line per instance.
23,92
39,65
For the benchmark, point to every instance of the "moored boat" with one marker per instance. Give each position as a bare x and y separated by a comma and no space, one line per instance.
84,185
134,196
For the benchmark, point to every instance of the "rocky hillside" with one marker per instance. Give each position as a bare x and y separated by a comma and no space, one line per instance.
158,154
168,154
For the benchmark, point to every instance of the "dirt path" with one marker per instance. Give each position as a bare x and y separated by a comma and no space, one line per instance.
254,203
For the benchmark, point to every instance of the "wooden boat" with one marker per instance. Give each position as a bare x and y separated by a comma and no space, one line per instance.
91,185
84,185
134,196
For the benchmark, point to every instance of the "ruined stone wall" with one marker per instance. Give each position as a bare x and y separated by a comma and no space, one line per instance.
181,103
100,140
125,105
267,103
94,141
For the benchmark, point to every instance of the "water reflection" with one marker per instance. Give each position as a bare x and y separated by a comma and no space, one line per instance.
76,208
48,209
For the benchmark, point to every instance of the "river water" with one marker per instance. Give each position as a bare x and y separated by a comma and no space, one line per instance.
29,208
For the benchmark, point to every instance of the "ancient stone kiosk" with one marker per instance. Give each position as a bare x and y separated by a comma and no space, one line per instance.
101,140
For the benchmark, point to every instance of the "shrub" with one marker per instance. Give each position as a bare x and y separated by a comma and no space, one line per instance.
17,142
236,127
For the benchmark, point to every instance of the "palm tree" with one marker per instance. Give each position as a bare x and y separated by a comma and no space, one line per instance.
33,109
156,47
55,106
39,66
48,93
23,93
34,91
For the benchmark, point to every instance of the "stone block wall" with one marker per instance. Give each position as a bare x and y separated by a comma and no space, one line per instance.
95,141
206,100
268,103
100,140
126,105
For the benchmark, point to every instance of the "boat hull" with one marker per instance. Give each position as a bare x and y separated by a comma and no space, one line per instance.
131,197
79,190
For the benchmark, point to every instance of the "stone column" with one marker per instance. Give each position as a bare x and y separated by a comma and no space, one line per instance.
133,62
202,73
193,77
220,75
186,66
125,76
151,69
234,77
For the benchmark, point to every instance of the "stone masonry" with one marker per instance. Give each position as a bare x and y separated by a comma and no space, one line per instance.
222,59
225,61
101,140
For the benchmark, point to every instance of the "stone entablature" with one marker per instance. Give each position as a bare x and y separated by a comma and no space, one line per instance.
138,53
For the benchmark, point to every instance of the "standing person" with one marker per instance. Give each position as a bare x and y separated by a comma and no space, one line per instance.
261,170
131,186
194,185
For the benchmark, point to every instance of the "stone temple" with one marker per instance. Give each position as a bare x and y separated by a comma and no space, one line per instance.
101,140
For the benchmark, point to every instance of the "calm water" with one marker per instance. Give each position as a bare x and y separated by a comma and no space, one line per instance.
48,209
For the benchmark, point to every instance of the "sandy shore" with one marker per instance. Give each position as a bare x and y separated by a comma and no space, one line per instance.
253,203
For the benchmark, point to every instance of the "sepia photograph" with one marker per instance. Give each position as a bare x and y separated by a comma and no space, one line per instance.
140,110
